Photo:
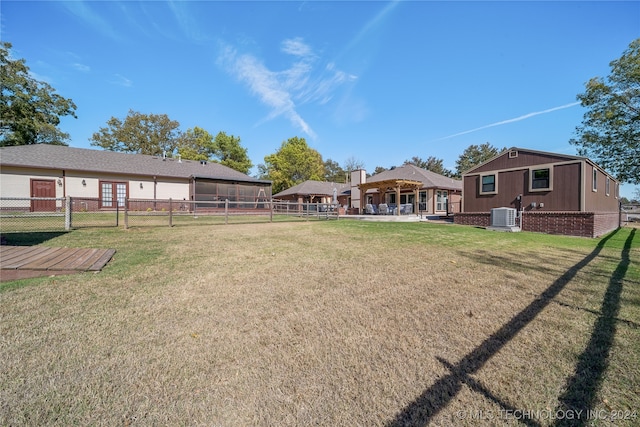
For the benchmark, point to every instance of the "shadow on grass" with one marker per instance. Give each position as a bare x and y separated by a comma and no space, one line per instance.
426,406
30,239
582,387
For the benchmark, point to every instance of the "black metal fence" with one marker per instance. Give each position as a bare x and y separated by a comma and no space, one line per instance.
56,214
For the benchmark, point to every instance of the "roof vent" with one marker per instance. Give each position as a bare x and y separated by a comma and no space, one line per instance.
203,162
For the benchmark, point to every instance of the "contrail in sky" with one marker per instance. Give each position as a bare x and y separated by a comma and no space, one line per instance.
504,122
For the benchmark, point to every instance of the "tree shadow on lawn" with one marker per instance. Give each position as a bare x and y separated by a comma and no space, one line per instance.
581,388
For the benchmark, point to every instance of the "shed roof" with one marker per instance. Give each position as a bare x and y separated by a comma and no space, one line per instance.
47,156
409,172
314,188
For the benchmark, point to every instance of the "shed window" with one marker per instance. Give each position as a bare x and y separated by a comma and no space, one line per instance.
541,179
488,184
607,186
595,179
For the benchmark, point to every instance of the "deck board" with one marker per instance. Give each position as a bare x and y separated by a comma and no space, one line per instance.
53,259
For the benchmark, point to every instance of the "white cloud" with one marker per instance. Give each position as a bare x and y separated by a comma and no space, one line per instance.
303,82
296,47
81,67
122,81
94,20
504,122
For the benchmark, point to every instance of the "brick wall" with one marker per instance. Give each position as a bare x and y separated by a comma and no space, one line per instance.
605,222
582,224
478,219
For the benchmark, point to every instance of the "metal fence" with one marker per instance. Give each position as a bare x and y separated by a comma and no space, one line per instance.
630,213
56,214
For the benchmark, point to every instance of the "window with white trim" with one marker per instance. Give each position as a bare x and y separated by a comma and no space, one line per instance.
112,192
594,187
442,200
607,186
489,184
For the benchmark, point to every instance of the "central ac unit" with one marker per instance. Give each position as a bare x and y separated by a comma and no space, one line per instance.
503,219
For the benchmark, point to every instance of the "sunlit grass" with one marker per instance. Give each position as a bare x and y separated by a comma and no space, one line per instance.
322,322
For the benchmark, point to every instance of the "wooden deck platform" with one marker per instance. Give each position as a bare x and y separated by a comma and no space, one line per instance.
48,260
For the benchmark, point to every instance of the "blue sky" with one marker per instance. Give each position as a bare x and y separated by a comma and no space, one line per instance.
377,81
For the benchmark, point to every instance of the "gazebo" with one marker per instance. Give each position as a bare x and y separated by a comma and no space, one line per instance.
389,185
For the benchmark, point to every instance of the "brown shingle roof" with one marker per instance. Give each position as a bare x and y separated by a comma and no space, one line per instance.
82,159
413,173
314,188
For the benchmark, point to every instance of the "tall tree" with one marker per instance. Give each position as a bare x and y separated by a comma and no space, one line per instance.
352,164
153,134
294,163
333,172
431,164
196,144
30,110
610,130
230,153
474,155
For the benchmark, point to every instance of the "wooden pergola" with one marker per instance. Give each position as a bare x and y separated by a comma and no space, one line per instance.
389,185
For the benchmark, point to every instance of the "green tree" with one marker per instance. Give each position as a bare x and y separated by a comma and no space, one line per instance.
474,155
30,110
196,144
153,134
333,172
379,169
610,129
431,164
229,152
294,163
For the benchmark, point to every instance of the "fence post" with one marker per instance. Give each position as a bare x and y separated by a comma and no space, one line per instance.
126,213
226,211
170,212
271,210
118,213
67,213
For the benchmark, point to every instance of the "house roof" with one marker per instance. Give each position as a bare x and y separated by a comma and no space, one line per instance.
314,188
47,156
410,172
567,157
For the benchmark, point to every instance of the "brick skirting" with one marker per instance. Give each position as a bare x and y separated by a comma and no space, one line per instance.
583,224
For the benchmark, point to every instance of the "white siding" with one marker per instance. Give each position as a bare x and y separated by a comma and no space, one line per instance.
17,182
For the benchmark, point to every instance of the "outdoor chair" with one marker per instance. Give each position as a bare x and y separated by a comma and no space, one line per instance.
371,209
383,209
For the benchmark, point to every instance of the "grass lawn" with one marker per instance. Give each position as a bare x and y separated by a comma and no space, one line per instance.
332,323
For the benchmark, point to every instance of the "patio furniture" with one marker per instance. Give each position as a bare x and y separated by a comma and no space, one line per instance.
383,209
